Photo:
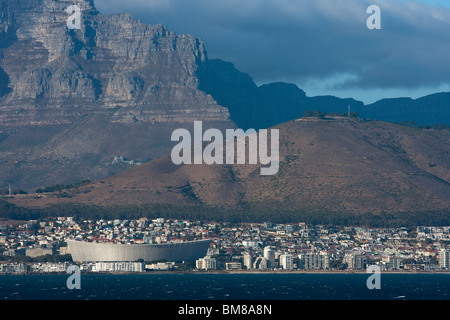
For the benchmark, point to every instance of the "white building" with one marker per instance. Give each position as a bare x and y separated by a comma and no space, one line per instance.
354,261
286,261
444,259
248,260
160,266
250,243
260,263
118,267
37,252
13,268
314,261
393,263
49,267
233,266
206,263
269,254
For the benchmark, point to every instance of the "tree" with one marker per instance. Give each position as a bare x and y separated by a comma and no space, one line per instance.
313,114
354,115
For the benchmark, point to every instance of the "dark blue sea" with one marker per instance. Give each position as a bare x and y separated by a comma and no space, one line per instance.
226,287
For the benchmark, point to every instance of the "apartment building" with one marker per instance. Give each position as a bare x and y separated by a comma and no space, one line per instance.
314,261
206,263
118,267
444,259
354,261
287,261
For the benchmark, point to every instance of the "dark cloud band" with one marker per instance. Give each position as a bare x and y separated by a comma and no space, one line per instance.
299,40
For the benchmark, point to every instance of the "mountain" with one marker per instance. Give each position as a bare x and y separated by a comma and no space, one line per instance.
253,106
335,164
116,63
433,109
71,101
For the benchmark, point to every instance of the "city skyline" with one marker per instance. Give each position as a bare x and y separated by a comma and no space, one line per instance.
232,246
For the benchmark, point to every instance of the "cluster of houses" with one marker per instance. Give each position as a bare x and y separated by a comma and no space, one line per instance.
243,246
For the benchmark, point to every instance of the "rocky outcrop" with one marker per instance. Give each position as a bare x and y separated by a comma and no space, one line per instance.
147,72
71,100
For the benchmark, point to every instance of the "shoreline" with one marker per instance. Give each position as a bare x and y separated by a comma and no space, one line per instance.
288,272
235,272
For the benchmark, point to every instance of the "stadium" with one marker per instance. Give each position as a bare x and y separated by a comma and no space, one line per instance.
103,252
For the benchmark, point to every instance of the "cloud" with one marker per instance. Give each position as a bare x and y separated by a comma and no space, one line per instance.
304,41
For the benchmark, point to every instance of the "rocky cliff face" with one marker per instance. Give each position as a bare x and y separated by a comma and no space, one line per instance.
146,72
71,100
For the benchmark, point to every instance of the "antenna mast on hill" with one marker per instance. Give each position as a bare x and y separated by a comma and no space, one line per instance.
348,111
9,189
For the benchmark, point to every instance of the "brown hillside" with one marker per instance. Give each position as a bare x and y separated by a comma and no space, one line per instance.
333,164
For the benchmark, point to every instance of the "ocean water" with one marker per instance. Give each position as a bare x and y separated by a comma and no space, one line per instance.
227,287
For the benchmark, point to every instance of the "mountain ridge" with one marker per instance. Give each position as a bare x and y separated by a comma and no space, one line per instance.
253,106
73,100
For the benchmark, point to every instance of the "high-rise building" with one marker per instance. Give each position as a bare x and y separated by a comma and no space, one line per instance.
314,261
444,259
260,263
354,261
286,261
269,254
206,263
393,263
248,260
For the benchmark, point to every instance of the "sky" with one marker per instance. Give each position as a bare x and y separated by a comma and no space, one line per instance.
323,46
